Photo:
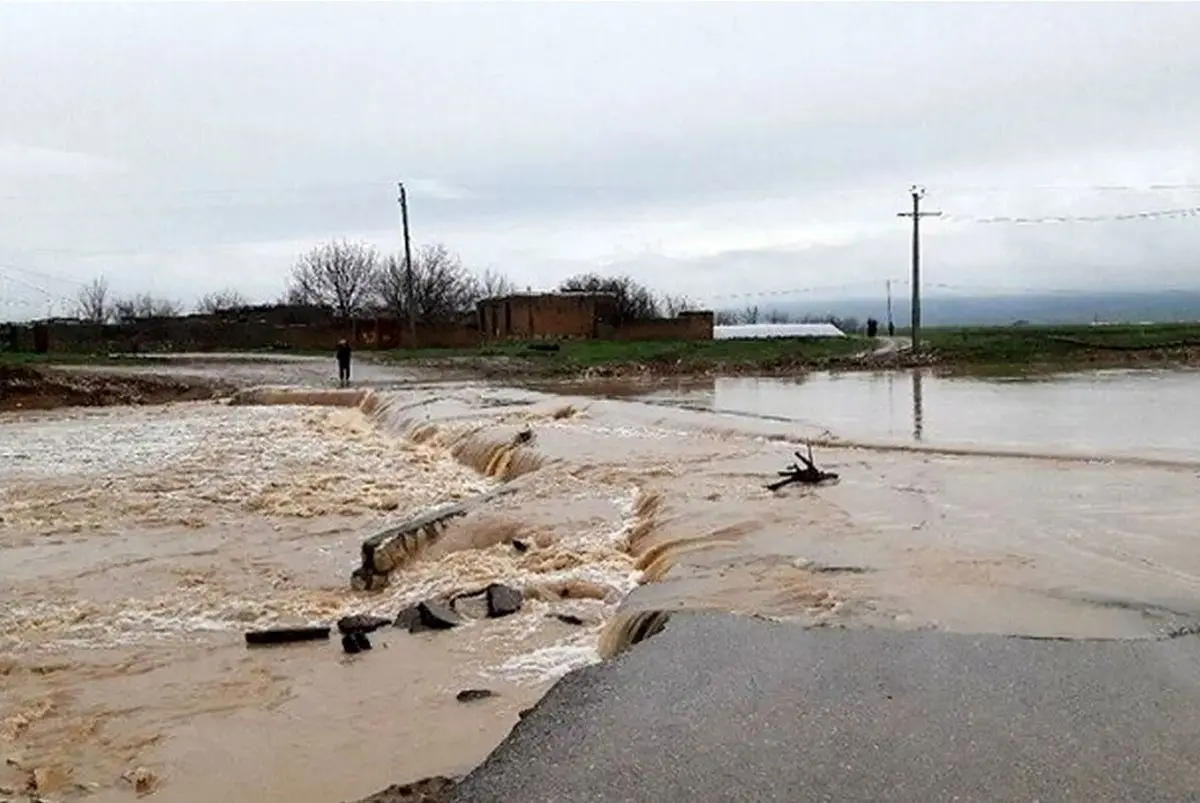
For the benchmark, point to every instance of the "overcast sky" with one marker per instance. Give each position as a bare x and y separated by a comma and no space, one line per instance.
708,148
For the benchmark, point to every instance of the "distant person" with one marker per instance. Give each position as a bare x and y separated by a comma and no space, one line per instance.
891,329
872,327
343,359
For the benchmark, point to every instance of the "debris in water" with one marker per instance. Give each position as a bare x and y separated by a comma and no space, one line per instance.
568,618
286,635
361,623
809,475
144,781
428,615
502,600
353,643
493,601
471,695
520,546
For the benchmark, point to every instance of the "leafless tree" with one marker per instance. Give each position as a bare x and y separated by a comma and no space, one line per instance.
92,303
750,314
633,300
145,305
338,274
226,300
443,289
673,304
493,284
726,317
777,316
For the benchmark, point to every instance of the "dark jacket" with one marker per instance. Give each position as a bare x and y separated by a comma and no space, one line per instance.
343,354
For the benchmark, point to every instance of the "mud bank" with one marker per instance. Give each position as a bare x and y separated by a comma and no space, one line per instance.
724,708
26,388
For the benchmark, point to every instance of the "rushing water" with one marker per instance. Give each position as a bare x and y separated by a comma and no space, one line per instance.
138,544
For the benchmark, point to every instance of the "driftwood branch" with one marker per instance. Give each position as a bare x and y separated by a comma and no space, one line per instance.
809,474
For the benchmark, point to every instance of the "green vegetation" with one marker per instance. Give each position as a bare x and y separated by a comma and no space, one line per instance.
1063,347
995,350
666,356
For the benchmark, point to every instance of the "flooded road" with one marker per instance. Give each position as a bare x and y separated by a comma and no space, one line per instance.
1143,413
138,544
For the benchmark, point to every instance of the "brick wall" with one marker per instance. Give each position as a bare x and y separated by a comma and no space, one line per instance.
297,329
687,326
532,317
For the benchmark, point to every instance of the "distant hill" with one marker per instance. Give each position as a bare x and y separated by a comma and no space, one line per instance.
1056,308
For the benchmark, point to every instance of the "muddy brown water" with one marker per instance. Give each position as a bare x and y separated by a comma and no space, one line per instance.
138,544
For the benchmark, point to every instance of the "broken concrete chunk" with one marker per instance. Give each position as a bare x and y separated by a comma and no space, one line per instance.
471,604
361,623
428,615
492,601
286,635
350,645
503,600
471,695
407,618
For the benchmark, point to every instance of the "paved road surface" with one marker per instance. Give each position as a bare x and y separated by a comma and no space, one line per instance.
719,708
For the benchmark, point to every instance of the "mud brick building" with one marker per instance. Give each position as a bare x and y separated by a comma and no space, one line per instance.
580,315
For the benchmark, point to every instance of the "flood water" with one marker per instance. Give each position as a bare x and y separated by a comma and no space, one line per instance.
138,544
1149,414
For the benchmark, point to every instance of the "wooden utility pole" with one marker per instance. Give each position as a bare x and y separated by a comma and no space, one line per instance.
916,214
410,306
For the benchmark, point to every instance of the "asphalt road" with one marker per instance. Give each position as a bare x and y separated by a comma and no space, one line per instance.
722,708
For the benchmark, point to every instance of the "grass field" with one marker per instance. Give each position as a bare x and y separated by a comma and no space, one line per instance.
1084,346
978,349
573,356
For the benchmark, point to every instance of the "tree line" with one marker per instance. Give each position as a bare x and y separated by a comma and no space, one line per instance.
354,280
95,303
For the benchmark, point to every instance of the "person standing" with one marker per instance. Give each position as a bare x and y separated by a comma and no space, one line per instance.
343,360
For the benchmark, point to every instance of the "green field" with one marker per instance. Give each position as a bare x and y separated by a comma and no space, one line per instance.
674,356
1066,346
999,349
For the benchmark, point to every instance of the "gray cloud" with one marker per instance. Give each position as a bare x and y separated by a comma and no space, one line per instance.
703,147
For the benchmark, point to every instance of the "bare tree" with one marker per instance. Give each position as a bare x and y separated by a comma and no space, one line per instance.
777,316
493,284
225,300
443,290
633,300
672,304
92,303
145,305
726,317
750,314
338,274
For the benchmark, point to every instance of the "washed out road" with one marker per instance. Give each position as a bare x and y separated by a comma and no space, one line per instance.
722,708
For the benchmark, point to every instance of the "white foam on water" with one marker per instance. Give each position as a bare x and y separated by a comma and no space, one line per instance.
548,663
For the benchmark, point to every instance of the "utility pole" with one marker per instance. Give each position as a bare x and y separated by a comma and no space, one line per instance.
891,327
410,307
916,214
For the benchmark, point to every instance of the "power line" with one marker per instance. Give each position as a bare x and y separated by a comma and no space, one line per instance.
1157,214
